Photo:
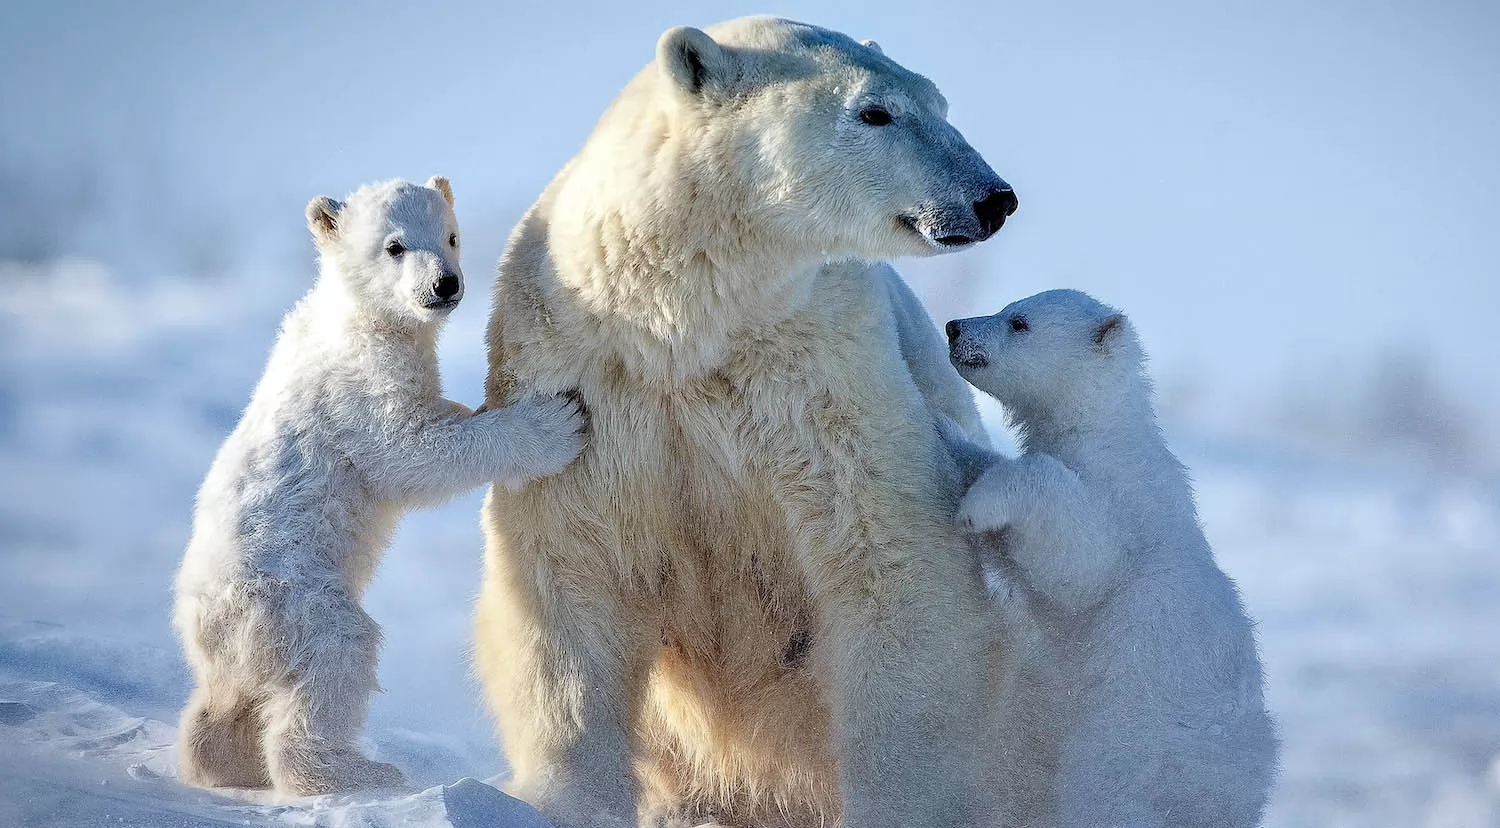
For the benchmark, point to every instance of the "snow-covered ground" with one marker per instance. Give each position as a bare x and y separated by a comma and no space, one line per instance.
1377,585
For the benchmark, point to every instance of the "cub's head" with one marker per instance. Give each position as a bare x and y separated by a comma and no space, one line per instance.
1059,352
844,151
394,247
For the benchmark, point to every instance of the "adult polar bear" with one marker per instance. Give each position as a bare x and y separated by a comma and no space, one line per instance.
746,601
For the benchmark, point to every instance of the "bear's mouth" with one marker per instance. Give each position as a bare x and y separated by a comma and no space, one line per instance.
962,357
441,304
948,241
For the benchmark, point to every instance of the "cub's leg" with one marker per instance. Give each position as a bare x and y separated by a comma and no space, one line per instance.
456,453
563,665
219,732
219,737
324,649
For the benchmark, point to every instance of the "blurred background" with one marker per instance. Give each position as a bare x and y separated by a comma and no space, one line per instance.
1297,203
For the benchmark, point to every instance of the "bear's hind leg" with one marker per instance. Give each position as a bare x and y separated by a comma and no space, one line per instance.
317,706
220,741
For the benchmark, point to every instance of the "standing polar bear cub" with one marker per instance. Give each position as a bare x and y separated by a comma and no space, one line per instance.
345,430
1152,700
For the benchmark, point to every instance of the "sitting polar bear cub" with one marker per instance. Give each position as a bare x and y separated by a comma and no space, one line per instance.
346,428
1151,708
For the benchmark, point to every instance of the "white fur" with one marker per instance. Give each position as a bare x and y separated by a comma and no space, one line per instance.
346,429
947,395
748,600
1135,667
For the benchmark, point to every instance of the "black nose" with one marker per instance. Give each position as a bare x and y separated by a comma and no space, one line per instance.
953,329
994,208
447,287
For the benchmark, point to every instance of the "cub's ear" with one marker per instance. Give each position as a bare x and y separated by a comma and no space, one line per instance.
1109,333
439,183
323,218
870,44
693,61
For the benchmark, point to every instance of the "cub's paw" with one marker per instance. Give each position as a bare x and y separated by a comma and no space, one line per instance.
361,773
545,436
319,772
987,507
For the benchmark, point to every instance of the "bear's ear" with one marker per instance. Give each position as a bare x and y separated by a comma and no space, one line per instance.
692,60
439,183
1107,334
870,44
323,218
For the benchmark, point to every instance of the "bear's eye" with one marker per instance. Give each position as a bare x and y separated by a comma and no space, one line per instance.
453,240
395,248
1018,324
875,116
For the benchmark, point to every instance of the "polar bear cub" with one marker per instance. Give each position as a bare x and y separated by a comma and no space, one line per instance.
1153,712
346,428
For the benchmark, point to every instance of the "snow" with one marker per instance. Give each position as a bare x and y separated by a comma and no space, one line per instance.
1375,584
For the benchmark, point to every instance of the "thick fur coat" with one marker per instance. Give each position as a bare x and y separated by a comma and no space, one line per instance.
747,602
346,429
1133,677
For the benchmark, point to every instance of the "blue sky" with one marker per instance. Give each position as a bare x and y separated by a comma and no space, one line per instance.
1262,186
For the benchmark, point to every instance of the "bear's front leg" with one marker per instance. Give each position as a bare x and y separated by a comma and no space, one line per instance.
904,646
561,665
904,655
972,459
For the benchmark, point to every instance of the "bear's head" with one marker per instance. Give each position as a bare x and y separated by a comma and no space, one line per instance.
1061,353
829,145
393,246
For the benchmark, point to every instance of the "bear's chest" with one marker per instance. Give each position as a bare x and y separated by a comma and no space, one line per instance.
699,467
693,443
693,504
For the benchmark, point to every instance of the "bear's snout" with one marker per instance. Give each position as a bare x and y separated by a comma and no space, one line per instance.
994,209
959,223
447,286
965,351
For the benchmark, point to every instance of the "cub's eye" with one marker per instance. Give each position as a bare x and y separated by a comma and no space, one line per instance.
395,248
1018,324
875,116
453,240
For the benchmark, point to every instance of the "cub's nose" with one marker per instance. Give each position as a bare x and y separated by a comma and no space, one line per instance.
953,329
993,209
447,286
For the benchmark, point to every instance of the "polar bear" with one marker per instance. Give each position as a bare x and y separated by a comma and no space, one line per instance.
1137,670
345,430
739,605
